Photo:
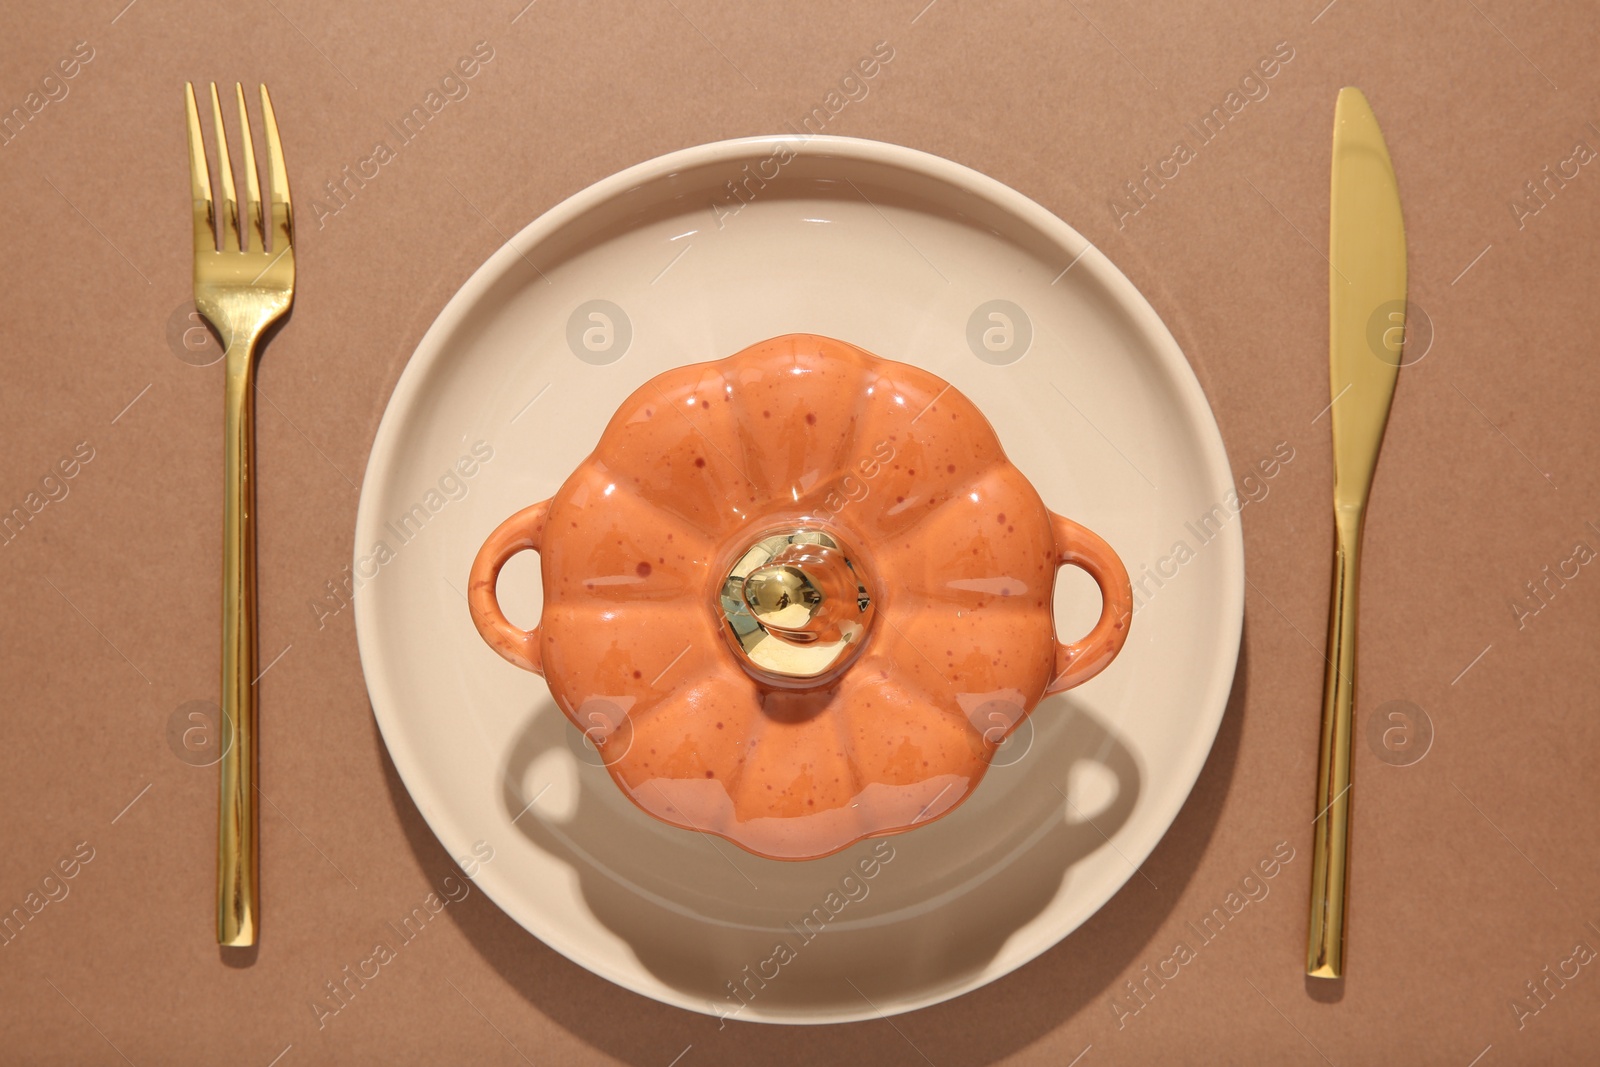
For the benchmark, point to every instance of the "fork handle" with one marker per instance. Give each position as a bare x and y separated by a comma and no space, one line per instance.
1330,851
238,883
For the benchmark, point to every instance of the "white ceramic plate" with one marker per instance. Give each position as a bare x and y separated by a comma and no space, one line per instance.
902,253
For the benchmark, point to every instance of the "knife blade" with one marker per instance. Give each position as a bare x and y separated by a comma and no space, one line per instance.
1366,337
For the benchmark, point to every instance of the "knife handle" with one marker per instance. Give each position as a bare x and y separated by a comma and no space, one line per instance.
1330,846
237,877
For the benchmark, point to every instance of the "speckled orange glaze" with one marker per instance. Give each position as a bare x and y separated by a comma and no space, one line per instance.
953,543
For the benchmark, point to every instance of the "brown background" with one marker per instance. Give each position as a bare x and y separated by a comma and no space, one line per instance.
1475,867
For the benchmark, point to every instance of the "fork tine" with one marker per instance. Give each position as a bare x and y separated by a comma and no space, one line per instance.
205,227
282,209
250,232
230,202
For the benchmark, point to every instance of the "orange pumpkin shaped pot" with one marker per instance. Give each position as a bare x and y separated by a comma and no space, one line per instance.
797,597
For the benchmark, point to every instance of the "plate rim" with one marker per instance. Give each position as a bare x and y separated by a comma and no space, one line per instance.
1190,394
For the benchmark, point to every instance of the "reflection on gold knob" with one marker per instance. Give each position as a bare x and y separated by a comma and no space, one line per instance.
804,594
795,606
782,598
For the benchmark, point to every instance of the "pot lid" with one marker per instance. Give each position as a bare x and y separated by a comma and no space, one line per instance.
798,596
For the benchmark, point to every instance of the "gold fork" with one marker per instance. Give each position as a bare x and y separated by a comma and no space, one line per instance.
241,290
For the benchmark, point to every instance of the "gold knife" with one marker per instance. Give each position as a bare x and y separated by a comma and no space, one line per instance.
1366,334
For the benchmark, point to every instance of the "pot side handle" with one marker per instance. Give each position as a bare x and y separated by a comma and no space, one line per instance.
1081,660
520,533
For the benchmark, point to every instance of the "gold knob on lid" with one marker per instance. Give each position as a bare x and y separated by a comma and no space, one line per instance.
795,606
807,593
